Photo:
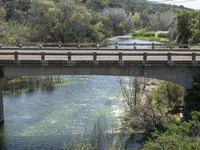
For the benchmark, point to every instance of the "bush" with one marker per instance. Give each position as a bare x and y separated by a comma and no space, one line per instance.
164,35
183,136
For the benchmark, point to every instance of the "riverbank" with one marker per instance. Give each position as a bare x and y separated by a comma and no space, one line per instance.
158,36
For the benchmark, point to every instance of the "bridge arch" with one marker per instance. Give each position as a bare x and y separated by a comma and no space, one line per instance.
181,75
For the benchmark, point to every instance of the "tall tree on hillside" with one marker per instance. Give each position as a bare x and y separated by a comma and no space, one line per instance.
184,27
196,28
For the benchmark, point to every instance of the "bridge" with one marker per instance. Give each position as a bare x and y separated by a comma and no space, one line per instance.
158,61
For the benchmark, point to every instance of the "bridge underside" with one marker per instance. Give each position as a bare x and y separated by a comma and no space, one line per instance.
181,73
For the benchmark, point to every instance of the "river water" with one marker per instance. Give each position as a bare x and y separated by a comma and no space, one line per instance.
48,119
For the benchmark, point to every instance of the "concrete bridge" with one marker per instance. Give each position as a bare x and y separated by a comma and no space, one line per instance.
179,66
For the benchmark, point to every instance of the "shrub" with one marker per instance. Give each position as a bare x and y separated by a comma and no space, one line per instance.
183,136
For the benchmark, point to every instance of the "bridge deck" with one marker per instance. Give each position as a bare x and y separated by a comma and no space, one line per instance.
101,55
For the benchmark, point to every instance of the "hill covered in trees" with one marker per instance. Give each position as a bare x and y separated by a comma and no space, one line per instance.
80,20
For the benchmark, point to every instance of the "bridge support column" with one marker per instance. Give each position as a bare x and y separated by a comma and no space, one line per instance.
1,97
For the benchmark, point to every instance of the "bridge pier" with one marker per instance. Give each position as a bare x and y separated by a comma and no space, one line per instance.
1,97
1,108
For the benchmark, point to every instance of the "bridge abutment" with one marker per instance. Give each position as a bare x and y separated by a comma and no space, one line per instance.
1,97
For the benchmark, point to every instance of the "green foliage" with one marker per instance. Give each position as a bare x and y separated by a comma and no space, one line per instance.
96,138
79,20
188,27
29,84
15,32
97,4
146,112
164,35
183,27
146,35
183,136
193,98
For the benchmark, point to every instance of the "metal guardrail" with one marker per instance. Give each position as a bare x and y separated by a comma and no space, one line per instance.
93,45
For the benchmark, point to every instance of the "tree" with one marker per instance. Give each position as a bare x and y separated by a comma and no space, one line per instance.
184,27
62,21
193,98
97,4
117,21
146,109
137,21
162,21
196,28
177,136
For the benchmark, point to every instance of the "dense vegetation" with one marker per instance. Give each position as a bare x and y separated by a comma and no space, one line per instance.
29,84
80,20
155,113
152,112
188,27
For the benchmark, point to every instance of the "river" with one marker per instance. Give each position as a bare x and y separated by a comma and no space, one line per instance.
49,119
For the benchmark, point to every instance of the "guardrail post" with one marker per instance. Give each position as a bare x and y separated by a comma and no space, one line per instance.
120,56
169,58
97,45
153,45
59,44
20,45
42,55
194,56
1,45
116,45
16,55
94,56
135,46
79,45
170,46
144,57
69,55
40,44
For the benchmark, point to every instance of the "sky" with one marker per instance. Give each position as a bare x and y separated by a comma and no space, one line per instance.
194,4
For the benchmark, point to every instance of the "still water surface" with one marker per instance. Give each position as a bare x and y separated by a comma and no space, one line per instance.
48,119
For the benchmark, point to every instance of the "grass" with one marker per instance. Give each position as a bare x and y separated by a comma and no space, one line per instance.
97,137
151,38
29,84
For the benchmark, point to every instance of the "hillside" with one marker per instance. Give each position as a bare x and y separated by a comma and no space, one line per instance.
80,20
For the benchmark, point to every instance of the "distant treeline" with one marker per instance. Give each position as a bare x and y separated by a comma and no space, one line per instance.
80,20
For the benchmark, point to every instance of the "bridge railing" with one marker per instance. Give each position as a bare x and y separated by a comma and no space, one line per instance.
112,45
169,57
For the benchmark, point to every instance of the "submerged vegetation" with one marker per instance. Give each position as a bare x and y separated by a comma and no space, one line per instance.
29,84
97,137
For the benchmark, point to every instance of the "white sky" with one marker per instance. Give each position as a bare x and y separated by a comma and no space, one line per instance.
195,4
